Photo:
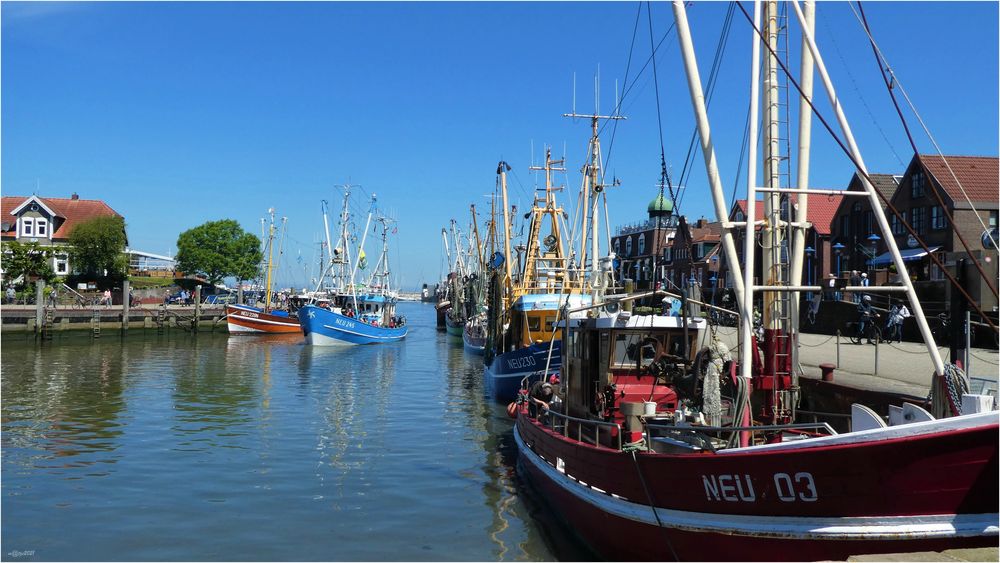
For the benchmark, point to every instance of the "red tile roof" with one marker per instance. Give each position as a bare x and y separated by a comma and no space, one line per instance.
821,212
979,175
73,211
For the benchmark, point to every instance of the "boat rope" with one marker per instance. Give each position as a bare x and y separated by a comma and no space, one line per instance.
628,65
909,136
742,401
652,504
664,175
857,165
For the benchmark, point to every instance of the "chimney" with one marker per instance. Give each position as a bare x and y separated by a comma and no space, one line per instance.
702,223
75,196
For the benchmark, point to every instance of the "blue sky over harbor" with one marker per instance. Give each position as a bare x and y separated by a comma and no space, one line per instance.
180,113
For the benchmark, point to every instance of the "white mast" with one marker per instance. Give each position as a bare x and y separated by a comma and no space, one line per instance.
354,293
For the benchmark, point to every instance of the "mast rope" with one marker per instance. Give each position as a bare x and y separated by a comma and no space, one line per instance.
857,166
923,167
664,175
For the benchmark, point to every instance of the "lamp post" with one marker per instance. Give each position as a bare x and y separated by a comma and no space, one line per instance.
839,249
873,239
810,252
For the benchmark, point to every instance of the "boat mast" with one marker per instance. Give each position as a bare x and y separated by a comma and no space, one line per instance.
354,271
270,248
502,169
479,244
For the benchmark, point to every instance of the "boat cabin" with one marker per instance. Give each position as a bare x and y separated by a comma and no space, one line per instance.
534,317
618,358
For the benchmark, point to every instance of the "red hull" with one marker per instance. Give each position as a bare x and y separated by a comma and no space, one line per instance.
930,491
249,321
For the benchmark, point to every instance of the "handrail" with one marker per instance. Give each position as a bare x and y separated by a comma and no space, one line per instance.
597,424
731,429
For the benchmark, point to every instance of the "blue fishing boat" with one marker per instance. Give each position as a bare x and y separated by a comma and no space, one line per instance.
352,315
525,307
372,323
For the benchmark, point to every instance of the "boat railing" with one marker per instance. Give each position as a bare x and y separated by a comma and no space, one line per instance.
703,434
562,423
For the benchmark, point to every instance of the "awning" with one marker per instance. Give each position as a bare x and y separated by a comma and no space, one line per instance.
909,255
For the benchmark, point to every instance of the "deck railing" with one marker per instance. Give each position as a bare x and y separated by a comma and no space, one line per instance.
561,422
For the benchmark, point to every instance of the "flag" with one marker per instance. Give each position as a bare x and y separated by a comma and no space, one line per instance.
362,261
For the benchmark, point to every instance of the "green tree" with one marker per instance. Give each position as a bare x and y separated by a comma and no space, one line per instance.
217,250
26,259
98,245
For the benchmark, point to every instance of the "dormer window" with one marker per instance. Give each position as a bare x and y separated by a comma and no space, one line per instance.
628,246
642,245
41,227
917,185
27,226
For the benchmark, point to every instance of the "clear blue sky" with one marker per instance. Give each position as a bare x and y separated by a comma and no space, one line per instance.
180,113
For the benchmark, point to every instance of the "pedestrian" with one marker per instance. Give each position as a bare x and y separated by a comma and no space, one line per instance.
53,297
11,294
131,297
864,280
107,298
894,324
855,281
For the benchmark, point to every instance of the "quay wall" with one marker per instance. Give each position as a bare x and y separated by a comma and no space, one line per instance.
23,318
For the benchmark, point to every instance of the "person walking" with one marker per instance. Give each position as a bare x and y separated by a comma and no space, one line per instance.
855,281
107,298
11,294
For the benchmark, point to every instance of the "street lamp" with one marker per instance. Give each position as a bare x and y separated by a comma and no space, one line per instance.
873,239
838,248
810,252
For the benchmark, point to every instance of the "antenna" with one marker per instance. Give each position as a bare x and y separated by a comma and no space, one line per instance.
597,91
574,92
618,107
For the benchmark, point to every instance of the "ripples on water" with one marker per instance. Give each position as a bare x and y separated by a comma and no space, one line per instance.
184,447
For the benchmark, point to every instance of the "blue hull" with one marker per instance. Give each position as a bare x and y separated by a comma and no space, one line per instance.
506,372
323,327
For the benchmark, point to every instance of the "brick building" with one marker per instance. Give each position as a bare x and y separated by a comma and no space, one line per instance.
693,253
854,223
639,246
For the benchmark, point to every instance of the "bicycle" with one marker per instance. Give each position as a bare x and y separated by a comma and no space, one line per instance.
872,332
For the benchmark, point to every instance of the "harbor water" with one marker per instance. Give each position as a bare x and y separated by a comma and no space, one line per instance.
182,446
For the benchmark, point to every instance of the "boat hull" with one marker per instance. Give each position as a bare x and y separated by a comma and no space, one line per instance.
453,328
242,319
506,371
473,344
879,491
323,327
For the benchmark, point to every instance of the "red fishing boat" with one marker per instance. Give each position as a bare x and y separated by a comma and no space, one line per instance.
664,446
244,319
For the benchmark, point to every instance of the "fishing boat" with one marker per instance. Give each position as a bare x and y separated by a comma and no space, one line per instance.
474,335
352,316
521,343
245,319
658,451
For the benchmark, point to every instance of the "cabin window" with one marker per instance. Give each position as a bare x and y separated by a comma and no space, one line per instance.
632,348
534,323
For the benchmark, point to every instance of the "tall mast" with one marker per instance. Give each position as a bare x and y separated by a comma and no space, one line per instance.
364,236
502,169
270,248
590,192
479,245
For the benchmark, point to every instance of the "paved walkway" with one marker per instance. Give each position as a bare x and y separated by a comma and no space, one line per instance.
902,368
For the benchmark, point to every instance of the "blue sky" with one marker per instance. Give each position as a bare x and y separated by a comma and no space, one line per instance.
180,113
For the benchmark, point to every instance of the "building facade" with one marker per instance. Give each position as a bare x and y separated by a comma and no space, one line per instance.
639,247
48,222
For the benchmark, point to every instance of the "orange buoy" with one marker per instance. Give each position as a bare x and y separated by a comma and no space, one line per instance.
512,410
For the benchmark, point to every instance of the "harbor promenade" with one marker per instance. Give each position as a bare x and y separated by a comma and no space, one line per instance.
902,368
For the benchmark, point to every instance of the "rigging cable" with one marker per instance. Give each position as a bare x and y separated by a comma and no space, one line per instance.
937,194
664,175
857,166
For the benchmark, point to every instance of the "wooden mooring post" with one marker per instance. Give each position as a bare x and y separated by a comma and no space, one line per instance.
39,306
197,308
126,305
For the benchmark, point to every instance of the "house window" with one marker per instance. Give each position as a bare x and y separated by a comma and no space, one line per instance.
845,224
937,274
27,227
917,185
739,216
618,250
668,254
698,250
62,264
869,221
642,244
41,227
628,246
993,219
938,220
897,223
917,221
